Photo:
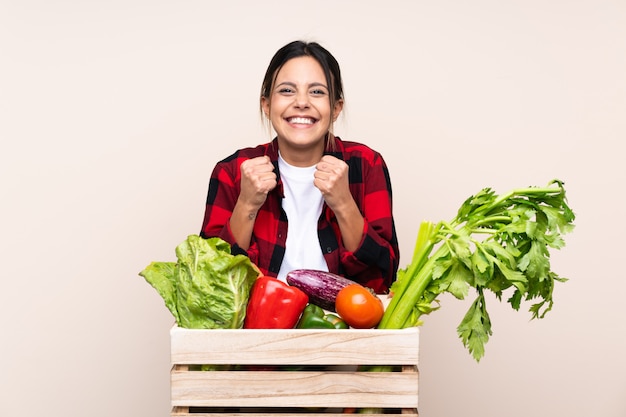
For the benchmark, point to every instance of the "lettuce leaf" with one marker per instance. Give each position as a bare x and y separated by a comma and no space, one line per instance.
208,287
162,276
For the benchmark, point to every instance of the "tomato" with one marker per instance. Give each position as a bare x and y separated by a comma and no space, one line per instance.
359,307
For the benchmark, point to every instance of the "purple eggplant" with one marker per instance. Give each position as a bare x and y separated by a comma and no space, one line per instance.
322,287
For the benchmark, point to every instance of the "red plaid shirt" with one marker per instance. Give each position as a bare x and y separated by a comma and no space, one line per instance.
374,263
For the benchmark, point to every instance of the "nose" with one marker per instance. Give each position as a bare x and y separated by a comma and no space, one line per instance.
301,100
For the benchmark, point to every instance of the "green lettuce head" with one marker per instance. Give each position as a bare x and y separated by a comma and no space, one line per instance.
208,287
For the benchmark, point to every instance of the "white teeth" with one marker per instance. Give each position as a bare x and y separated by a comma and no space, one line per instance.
301,120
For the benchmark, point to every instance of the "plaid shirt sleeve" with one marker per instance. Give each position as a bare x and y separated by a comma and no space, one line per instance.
267,245
375,262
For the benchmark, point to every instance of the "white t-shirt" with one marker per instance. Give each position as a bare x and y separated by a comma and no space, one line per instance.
303,205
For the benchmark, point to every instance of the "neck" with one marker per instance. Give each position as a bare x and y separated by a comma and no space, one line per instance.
303,156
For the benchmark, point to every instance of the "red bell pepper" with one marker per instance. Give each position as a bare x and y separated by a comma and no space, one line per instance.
274,304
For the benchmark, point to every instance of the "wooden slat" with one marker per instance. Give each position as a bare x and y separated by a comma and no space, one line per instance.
295,346
295,389
178,413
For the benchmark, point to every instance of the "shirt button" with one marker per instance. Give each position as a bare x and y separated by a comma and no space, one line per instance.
328,249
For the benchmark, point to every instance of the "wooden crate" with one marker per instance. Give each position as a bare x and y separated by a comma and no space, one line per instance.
295,371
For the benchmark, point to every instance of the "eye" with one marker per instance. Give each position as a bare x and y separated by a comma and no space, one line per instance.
285,90
318,92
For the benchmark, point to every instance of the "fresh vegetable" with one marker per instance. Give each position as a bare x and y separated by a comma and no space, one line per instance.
314,317
322,287
495,243
336,321
274,305
359,307
208,287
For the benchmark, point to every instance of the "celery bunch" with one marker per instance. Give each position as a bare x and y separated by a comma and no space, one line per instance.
494,243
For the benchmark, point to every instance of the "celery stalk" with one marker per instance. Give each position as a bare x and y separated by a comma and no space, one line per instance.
494,243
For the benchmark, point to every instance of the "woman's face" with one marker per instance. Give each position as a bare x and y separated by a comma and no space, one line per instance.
299,110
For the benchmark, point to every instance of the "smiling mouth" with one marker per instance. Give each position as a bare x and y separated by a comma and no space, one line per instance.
301,120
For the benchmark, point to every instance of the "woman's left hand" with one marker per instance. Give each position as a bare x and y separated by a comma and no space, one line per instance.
331,178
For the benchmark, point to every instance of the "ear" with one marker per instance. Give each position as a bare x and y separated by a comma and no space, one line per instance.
337,110
265,105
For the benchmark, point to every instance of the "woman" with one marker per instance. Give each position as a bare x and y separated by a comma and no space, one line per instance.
306,199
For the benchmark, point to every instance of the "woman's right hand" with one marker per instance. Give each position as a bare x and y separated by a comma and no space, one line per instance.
257,180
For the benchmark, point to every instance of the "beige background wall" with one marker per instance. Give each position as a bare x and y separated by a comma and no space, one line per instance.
112,115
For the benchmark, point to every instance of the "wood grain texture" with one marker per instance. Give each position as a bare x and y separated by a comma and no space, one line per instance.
294,389
295,346
287,369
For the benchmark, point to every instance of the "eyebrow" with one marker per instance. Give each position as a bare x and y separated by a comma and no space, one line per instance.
292,84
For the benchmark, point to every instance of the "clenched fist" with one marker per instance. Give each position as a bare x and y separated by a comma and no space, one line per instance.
257,179
331,178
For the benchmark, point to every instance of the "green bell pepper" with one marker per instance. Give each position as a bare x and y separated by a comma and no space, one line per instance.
314,317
